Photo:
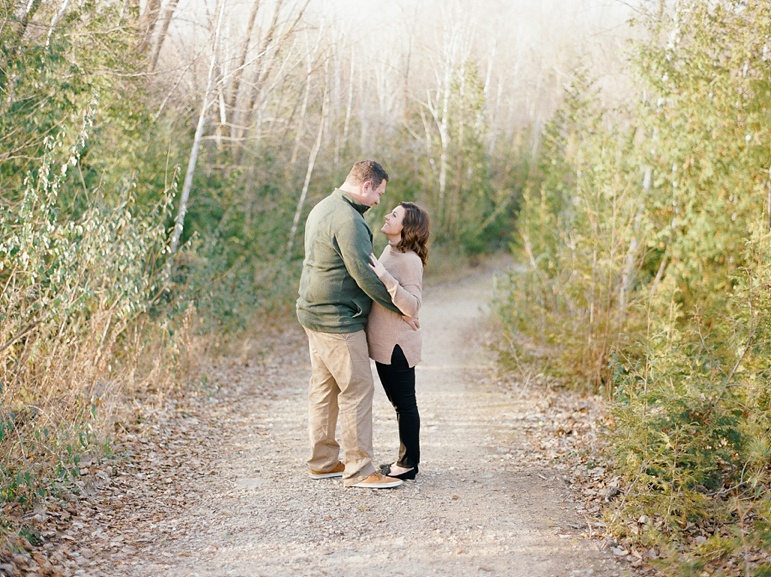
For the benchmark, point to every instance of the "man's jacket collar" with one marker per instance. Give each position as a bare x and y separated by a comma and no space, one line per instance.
362,208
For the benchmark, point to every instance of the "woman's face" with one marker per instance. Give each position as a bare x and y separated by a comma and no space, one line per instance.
393,223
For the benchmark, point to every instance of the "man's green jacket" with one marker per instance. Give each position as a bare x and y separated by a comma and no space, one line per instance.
337,285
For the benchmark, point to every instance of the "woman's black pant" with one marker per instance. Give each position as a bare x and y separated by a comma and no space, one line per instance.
398,380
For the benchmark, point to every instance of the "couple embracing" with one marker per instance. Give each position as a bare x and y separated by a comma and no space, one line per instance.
353,307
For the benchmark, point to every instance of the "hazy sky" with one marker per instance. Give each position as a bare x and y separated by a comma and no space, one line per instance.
531,23
503,13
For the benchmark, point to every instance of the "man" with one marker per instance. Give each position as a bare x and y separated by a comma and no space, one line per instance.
337,287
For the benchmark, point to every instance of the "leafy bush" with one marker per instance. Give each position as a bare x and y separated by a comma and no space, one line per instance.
578,241
71,288
693,414
648,236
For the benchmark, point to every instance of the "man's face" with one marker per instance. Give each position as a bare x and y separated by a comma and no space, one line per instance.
370,195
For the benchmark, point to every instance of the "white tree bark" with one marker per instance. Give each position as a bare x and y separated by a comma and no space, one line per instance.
208,98
310,60
58,16
238,72
168,14
311,163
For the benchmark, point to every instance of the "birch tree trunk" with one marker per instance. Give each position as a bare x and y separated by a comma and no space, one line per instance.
311,163
238,73
268,58
309,62
336,95
207,101
348,104
260,74
29,13
168,14
440,111
147,23
13,46
57,17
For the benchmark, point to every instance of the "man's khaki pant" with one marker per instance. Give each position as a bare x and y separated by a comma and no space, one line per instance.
341,383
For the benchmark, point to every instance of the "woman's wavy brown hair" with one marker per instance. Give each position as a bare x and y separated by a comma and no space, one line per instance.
416,228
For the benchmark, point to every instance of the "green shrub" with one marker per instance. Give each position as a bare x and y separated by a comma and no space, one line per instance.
71,288
693,414
578,241
648,237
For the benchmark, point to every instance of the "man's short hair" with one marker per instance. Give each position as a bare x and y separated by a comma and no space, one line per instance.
367,170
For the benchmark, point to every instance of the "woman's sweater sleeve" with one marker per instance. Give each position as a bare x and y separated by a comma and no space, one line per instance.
406,295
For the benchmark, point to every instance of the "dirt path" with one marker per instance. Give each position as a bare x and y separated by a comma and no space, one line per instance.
237,500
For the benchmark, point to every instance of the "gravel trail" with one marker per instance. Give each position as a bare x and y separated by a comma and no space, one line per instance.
241,503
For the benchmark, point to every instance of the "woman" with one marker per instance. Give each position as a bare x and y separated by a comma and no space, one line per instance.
393,344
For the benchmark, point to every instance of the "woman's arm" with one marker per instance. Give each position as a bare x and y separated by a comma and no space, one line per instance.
405,293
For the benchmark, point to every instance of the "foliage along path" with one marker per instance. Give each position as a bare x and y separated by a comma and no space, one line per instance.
217,485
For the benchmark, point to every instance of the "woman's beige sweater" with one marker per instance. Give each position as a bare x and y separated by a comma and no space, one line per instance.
386,329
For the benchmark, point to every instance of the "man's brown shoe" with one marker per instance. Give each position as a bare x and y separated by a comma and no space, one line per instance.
378,481
336,472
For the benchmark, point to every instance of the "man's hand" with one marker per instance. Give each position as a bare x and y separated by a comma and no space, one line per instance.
413,322
376,266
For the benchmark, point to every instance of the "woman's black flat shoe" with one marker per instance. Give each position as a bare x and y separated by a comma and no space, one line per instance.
406,476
